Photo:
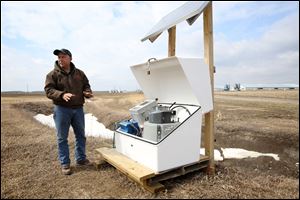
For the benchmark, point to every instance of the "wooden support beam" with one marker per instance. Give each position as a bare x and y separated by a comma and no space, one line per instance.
172,41
208,57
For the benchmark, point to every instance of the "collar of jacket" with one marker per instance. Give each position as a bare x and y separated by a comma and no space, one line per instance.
58,68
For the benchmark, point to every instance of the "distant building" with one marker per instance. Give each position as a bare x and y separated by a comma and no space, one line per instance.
269,86
227,87
239,87
235,87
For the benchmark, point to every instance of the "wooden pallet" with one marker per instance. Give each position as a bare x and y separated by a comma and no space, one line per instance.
144,176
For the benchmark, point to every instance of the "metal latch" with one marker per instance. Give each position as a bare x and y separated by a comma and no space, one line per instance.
148,64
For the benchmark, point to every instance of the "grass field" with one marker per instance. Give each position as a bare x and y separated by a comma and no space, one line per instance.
263,121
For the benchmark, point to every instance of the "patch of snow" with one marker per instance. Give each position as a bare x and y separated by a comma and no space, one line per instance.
217,154
237,153
242,153
92,126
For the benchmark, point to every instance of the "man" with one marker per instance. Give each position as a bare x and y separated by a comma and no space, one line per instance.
67,86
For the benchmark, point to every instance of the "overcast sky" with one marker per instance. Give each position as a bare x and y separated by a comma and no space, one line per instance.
254,42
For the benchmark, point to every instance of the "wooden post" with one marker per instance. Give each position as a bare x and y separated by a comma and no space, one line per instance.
208,57
172,41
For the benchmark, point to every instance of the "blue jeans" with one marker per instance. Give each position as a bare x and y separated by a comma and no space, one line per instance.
63,118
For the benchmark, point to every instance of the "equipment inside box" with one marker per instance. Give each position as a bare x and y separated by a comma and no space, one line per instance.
152,120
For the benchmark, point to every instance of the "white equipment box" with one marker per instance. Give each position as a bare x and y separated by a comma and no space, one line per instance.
185,81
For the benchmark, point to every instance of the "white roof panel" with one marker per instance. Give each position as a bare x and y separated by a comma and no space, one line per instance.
189,11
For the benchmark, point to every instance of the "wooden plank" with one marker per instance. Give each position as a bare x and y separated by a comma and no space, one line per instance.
126,165
179,171
154,187
172,41
196,166
143,175
203,158
208,57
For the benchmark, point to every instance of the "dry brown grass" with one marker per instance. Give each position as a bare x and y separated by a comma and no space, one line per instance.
110,108
281,94
30,169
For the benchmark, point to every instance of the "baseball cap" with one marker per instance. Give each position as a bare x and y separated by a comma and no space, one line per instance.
64,51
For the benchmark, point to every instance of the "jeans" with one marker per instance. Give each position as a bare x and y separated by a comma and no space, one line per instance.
63,118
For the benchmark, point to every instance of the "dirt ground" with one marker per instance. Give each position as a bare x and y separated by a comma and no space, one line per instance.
263,121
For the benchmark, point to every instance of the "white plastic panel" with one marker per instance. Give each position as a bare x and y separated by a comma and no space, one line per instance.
198,75
188,11
182,146
180,80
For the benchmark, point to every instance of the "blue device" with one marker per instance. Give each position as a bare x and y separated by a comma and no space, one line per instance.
130,126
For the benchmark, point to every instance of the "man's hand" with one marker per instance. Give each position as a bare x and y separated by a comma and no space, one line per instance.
88,94
67,96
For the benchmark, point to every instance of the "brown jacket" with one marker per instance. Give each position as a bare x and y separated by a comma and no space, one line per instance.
59,82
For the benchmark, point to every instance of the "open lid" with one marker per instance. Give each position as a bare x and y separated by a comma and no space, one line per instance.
173,79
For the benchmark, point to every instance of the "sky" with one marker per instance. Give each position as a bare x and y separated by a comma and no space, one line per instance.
254,42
